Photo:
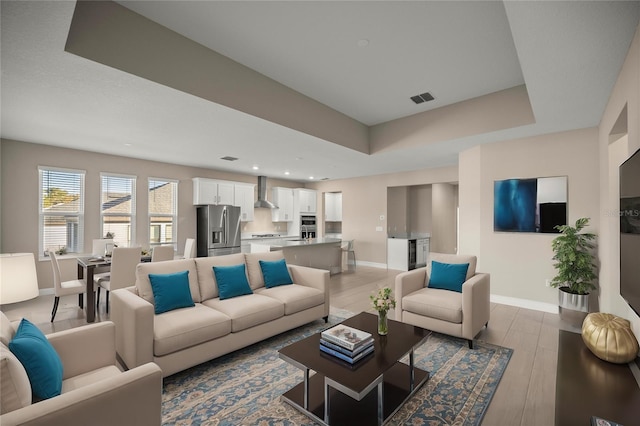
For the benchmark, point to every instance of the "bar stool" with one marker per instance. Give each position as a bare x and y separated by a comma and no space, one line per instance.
347,247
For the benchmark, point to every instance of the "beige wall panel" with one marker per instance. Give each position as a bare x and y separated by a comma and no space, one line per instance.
520,263
19,206
625,93
496,111
420,206
443,234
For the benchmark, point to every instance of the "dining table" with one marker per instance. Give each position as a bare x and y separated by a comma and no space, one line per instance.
88,266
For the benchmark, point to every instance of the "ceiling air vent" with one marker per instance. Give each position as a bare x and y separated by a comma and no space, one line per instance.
425,97
228,158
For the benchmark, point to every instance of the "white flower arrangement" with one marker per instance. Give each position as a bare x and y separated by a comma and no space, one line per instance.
382,301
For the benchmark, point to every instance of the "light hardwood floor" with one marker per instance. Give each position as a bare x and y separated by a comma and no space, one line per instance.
525,395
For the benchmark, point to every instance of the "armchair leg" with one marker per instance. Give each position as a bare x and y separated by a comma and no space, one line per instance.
55,308
470,343
81,300
326,319
107,301
98,297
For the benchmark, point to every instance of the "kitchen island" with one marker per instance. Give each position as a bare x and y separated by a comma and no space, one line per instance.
320,253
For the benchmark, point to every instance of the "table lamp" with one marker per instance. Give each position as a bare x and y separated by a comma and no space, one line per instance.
18,279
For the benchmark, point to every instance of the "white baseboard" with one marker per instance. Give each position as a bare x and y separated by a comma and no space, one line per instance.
45,291
524,303
372,264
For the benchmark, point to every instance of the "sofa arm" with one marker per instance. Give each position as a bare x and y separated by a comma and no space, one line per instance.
476,304
131,398
85,348
312,277
133,317
407,283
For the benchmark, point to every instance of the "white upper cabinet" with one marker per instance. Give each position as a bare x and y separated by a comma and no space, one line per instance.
211,191
283,198
306,200
333,207
244,198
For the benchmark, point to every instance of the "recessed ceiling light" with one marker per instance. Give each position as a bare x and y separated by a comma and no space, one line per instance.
363,42
127,144
255,167
310,177
287,173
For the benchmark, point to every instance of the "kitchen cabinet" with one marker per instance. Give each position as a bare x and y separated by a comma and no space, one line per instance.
211,191
307,202
333,207
283,198
244,198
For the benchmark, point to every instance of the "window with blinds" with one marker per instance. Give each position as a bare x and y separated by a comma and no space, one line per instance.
61,210
118,208
163,212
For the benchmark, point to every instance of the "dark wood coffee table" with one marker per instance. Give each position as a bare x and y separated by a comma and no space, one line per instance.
342,394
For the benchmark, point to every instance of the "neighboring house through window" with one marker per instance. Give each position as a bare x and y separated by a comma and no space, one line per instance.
163,211
61,207
118,208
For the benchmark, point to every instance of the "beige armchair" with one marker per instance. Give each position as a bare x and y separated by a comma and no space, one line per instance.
449,312
94,390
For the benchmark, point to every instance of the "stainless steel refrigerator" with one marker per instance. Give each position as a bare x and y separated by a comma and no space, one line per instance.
218,230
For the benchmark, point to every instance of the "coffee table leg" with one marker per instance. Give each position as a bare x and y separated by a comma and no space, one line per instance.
411,373
326,401
380,403
306,389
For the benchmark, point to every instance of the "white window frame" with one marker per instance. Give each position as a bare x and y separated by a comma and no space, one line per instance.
173,215
42,214
131,215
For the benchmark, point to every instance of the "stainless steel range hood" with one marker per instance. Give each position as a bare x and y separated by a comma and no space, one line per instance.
262,195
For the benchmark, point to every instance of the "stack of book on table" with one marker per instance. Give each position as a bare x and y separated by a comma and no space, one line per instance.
346,343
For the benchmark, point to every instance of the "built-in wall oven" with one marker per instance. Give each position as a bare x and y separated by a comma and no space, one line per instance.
307,226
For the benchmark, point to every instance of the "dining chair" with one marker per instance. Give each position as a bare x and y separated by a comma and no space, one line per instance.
123,270
99,246
190,248
162,253
65,288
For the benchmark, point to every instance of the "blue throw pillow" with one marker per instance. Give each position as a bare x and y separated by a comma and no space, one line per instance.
275,273
232,281
171,291
448,276
39,359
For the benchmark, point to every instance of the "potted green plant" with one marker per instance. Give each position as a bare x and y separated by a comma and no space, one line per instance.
575,264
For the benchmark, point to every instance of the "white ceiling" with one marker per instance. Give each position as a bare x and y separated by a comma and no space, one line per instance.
567,53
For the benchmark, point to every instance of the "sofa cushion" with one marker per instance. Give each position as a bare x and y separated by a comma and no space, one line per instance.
143,285
275,273
256,280
182,328
15,389
171,291
444,305
232,281
448,276
206,277
295,297
454,259
39,358
248,311
89,378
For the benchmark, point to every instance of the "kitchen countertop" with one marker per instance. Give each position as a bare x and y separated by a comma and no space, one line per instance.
282,243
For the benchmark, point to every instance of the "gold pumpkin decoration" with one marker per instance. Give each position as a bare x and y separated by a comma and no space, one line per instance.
609,337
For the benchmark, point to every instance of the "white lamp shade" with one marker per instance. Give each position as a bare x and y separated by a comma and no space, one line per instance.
18,279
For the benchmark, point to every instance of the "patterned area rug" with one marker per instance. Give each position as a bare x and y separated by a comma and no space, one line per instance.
244,387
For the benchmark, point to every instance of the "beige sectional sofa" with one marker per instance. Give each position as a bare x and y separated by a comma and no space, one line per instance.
185,337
